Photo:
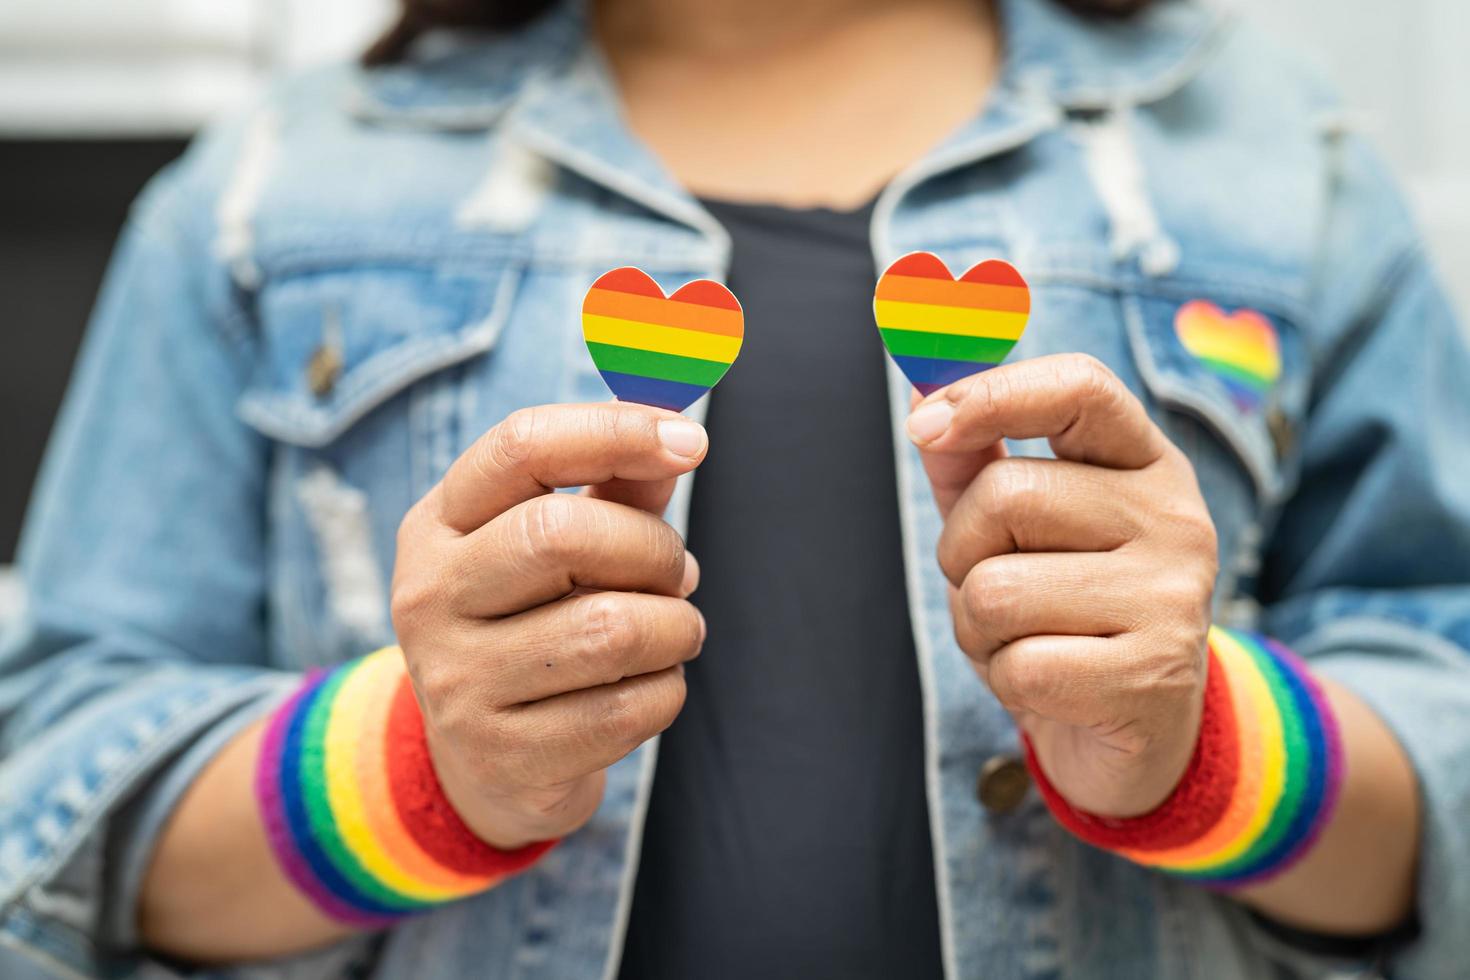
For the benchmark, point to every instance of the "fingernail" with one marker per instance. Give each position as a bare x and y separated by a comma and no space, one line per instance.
703,628
691,575
682,437
929,422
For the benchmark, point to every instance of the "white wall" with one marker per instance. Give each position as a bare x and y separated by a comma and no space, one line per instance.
159,67
1404,67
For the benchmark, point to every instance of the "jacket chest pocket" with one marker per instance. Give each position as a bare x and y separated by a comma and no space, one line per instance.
1234,378
364,384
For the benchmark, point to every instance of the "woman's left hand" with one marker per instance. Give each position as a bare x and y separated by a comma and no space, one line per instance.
1081,585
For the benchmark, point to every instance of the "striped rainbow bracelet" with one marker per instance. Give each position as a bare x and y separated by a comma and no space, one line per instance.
1262,782
352,807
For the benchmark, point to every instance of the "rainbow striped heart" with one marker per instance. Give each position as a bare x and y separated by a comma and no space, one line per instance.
1240,348
657,350
939,329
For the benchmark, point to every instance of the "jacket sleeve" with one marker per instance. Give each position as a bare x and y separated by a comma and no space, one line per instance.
142,561
1368,571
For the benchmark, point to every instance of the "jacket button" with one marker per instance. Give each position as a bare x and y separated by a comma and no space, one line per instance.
323,369
1003,783
1283,438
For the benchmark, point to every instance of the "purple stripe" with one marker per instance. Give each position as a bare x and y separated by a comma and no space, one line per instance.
929,374
1331,744
673,395
273,814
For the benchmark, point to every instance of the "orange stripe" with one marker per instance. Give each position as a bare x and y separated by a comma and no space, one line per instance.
947,292
1243,802
664,312
382,814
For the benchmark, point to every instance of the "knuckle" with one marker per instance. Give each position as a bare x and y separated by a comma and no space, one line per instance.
510,443
1013,487
1093,378
609,630
549,525
622,717
1017,680
411,603
991,593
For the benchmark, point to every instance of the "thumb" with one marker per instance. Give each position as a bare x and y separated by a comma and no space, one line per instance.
950,473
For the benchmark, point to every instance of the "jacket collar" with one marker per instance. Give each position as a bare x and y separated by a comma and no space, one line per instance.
1092,63
470,79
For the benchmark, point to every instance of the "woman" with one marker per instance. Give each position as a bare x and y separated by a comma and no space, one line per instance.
301,432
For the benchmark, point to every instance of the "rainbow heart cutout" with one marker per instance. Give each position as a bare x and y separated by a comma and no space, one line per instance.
1242,349
664,351
940,329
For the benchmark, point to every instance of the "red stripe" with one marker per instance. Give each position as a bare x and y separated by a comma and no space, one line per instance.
994,272
629,280
707,292
925,265
424,809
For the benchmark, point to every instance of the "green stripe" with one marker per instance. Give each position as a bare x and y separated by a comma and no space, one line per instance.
1294,734
1236,373
318,808
945,346
664,367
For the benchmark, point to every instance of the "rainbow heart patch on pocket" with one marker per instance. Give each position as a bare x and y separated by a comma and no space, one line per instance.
1242,348
664,351
939,329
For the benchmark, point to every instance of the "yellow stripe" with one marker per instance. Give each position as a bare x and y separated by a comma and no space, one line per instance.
346,731
664,340
1243,670
1243,352
925,317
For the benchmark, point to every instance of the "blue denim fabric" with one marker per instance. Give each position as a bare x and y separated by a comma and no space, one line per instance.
311,315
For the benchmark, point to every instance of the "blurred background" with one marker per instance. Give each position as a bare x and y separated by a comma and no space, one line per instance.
96,95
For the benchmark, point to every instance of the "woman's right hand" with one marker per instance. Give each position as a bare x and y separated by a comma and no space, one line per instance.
546,633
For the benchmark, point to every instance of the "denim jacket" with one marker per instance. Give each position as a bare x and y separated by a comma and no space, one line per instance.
331,296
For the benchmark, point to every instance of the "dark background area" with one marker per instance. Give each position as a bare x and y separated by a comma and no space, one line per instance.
61,206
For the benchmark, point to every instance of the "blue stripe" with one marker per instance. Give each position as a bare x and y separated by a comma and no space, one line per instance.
929,374
1246,398
673,395
1316,740
294,804
1311,799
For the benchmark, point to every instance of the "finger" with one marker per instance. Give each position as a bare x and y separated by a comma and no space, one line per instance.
950,473
583,642
549,546
1073,400
573,734
538,449
1074,680
651,496
1022,504
1089,594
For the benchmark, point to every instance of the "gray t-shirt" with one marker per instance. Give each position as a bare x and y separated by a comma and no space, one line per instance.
789,834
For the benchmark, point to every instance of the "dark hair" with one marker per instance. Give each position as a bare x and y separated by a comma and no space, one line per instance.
417,16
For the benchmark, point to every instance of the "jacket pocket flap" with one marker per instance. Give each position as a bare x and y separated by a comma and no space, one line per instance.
1240,373
335,344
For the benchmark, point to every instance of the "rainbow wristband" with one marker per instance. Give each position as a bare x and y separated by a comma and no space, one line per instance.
352,807
1262,782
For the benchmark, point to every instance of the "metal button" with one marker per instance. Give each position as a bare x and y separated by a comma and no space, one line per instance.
1282,435
1003,783
323,369
324,366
